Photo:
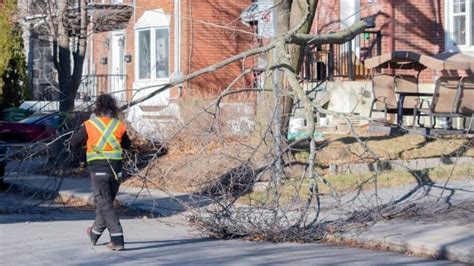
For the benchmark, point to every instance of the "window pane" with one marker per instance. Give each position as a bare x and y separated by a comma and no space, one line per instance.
162,53
460,30
472,22
144,54
459,6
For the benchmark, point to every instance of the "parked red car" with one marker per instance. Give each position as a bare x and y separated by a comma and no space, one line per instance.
33,128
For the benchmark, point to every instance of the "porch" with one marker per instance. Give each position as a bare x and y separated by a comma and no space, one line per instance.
94,84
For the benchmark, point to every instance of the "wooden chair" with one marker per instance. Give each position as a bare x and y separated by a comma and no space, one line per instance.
445,101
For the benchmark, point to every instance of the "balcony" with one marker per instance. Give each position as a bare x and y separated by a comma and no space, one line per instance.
93,85
325,62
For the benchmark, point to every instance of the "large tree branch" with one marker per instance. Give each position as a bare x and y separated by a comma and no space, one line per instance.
332,38
202,71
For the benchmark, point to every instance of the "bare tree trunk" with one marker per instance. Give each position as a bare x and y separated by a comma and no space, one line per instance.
299,9
265,113
79,53
69,79
62,58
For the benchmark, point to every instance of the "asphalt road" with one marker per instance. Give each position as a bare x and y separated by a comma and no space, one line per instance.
55,235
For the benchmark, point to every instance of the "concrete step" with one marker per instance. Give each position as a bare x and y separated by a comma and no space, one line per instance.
161,118
153,108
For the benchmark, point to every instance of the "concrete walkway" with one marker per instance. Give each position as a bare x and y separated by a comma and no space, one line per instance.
433,239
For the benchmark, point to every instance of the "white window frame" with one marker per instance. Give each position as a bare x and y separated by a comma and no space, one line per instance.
153,76
449,30
152,20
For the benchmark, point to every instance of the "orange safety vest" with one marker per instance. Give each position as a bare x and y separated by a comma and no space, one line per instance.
104,135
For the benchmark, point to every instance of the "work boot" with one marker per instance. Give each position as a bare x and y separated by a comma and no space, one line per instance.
115,247
116,243
93,236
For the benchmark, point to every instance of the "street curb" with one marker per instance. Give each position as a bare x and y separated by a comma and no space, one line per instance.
63,195
415,247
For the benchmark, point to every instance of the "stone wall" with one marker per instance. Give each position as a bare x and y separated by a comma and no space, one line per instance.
43,84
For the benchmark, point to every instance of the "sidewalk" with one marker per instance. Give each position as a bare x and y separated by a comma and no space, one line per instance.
152,201
436,240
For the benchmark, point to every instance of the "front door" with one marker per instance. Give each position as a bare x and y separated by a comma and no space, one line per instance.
350,14
117,78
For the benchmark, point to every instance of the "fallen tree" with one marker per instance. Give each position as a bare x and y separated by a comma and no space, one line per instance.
224,171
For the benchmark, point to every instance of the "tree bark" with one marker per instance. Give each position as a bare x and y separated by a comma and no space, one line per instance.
63,59
69,78
272,84
299,9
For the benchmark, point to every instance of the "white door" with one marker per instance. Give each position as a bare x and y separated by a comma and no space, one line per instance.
350,14
117,79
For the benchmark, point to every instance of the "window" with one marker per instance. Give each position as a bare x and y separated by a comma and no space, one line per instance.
460,24
152,46
153,53
162,53
144,54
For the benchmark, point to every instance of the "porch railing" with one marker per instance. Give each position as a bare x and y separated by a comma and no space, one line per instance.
94,84
323,62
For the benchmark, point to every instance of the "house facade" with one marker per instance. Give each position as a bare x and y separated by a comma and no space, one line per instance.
165,40
424,26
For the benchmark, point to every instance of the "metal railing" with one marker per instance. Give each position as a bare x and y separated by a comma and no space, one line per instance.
323,62
95,84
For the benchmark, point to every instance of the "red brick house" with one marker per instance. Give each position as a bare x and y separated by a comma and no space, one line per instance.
165,39
424,26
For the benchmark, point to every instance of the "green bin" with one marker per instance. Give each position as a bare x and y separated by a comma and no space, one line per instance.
15,114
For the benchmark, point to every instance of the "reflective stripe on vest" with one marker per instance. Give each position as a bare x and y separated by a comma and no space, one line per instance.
107,137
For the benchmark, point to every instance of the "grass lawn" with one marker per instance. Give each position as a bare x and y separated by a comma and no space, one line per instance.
346,149
298,188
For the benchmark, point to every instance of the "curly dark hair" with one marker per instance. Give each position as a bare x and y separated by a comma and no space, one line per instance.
106,105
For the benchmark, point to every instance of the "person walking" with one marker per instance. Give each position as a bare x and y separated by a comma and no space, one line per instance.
105,136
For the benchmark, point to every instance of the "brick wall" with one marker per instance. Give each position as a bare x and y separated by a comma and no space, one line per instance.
327,17
204,44
101,51
419,28
99,46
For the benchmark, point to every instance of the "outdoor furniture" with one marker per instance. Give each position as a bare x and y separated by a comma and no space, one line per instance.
406,87
466,98
385,89
453,97
411,60
384,98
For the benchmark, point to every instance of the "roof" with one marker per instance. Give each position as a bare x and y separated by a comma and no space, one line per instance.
413,60
153,18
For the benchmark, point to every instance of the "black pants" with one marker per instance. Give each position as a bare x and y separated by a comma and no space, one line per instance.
105,187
